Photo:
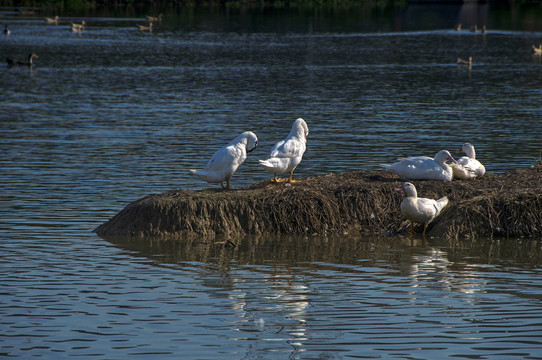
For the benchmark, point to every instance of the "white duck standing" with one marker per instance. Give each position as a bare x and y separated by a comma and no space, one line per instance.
225,161
287,154
423,167
468,167
419,210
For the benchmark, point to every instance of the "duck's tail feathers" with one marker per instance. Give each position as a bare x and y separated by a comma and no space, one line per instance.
265,163
385,166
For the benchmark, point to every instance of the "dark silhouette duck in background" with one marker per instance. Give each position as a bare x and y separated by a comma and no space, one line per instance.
30,61
465,61
157,19
7,31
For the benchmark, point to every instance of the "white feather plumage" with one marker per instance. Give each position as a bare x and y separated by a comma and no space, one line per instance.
468,167
288,153
423,167
225,161
420,210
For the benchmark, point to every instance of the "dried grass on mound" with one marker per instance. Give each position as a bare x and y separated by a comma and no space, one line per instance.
353,202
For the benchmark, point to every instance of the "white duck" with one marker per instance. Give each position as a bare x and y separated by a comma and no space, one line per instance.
52,21
424,167
145,27
468,167
287,154
225,161
78,27
419,210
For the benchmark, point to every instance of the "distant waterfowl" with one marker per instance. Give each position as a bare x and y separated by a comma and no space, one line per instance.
484,29
75,26
78,28
157,19
419,210
30,61
423,167
145,28
27,12
7,31
288,153
537,50
52,21
457,27
468,167
464,62
474,28
225,161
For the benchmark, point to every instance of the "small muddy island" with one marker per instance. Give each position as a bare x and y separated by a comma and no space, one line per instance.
356,202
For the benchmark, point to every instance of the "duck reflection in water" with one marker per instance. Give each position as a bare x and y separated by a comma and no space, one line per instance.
434,267
278,307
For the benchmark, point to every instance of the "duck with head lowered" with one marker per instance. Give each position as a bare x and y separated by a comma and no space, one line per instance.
225,161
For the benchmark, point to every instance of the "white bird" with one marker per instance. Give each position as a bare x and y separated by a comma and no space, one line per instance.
468,167
52,21
225,161
423,167
420,210
287,154
78,27
145,28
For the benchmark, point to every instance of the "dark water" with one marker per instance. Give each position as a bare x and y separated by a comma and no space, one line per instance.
114,114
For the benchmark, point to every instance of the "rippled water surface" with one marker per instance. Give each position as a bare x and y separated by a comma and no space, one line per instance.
114,114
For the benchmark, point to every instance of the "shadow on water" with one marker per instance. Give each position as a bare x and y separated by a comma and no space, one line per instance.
287,250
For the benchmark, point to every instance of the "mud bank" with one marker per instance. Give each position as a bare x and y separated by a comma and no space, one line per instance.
357,202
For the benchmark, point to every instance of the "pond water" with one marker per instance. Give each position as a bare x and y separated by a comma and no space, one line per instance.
113,114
